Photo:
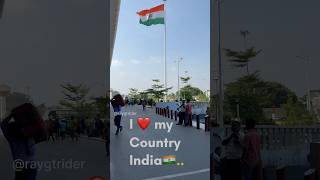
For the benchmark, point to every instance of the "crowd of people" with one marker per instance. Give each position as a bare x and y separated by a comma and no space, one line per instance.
239,157
60,128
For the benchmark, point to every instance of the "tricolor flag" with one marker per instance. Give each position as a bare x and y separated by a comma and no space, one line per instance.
152,16
168,159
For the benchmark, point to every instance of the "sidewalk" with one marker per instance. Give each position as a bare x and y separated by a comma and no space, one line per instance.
193,152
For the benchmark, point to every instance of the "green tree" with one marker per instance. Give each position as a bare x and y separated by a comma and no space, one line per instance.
296,114
189,92
185,80
134,94
76,98
172,97
202,97
100,105
254,94
157,90
242,59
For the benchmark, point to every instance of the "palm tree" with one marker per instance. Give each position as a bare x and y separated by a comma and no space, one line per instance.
242,58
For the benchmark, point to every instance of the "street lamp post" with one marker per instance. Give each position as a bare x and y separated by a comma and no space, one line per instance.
178,62
307,60
221,93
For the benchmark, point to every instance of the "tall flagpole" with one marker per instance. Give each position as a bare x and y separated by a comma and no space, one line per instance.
165,50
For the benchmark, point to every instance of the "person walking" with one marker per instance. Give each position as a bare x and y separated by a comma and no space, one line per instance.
144,103
231,154
251,157
188,118
182,113
117,102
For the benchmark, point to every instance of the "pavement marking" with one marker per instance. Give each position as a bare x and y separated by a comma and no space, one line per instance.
178,175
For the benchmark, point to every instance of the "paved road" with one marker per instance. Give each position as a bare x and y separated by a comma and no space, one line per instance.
194,150
90,152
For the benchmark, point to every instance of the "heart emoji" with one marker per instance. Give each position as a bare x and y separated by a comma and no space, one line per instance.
143,122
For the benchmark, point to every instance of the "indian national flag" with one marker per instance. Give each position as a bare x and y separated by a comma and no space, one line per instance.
152,16
168,159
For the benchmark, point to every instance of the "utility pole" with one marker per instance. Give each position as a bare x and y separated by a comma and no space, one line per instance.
221,94
178,62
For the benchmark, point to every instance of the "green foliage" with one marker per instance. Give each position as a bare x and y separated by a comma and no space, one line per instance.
172,97
189,92
185,80
296,114
100,105
254,94
202,97
242,59
76,98
157,90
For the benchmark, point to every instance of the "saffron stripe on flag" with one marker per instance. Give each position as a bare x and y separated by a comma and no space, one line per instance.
154,9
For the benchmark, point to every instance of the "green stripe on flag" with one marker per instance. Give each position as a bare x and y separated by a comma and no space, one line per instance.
152,21
169,163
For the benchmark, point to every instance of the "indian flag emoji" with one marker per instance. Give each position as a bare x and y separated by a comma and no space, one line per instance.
168,159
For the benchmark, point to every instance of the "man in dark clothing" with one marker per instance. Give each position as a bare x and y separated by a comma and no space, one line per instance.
22,149
231,155
117,102
182,113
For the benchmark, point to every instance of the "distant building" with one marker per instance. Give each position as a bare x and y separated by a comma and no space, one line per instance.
315,102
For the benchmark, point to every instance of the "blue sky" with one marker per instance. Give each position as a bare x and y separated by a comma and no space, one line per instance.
138,52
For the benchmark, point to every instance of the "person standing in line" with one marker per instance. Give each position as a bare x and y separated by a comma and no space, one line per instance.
231,154
251,157
188,120
182,113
